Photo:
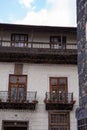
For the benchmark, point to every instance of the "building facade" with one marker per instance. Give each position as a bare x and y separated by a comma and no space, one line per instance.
81,112
39,77
82,56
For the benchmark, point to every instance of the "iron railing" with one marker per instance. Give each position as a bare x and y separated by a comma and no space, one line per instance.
59,98
27,97
41,45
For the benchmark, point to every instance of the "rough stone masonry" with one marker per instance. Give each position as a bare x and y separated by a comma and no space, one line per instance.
82,50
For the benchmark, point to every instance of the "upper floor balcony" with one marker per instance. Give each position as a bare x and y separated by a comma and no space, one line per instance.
19,101
61,101
38,52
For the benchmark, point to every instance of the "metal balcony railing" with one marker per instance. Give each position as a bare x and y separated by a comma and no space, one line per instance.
28,97
42,45
60,98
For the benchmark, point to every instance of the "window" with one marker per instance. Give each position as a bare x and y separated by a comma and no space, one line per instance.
59,121
15,125
82,124
17,87
58,42
55,39
19,40
58,84
58,87
64,39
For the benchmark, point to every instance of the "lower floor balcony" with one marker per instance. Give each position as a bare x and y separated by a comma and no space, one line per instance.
24,101
61,101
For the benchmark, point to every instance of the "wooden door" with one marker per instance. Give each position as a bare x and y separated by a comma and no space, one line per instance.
17,87
58,87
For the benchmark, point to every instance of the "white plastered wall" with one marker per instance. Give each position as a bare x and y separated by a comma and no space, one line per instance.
38,80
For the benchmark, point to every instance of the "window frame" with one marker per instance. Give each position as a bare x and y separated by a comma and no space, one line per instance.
82,124
61,124
60,42
11,124
19,42
17,85
58,92
58,85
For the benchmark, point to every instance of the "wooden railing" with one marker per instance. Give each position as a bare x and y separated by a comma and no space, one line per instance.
43,45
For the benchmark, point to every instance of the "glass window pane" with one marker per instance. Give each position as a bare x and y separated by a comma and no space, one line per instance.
56,39
22,79
62,81
51,39
53,81
59,121
16,37
59,118
21,38
13,79
64,39
13,94
25,38
21,94
59,38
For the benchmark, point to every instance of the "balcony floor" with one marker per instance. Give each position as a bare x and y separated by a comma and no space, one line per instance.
18,106
33,55
59,106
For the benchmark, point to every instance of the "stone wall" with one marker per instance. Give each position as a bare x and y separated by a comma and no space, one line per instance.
38,119
82,50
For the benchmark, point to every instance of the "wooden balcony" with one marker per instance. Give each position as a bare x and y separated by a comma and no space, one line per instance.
38,52
28,101
63,101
